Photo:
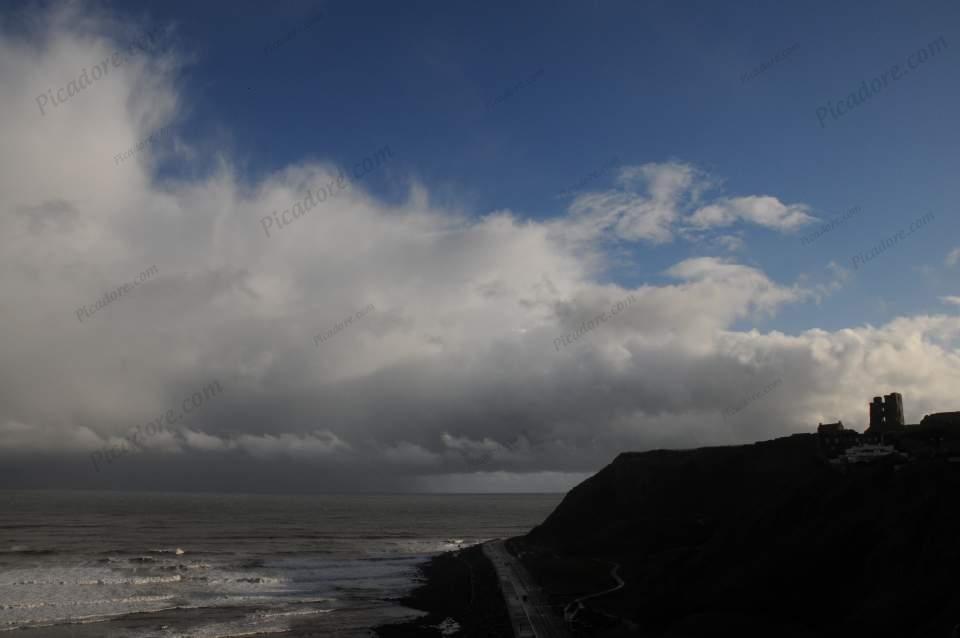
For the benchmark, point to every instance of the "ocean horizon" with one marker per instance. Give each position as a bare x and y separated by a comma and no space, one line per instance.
170,565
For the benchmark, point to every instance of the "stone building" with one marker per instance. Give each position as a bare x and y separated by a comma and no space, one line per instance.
833,438
937,436
886,415
941,420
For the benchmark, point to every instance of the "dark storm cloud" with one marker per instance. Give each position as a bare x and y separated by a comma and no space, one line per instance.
57,215
454,379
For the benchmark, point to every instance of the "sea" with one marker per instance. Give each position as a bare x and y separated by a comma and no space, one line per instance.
160,565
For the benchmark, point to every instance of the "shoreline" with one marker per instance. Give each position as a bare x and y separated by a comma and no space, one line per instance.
458,593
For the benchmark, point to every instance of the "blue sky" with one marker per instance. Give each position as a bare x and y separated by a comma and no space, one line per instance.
693,189
645,82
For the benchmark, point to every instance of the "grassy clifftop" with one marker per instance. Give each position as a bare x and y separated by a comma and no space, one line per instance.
761,538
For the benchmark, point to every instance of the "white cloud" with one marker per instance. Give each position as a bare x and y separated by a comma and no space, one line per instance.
951,299
658,199
453,377
22,437
409,454
485,450
731,243
953,257
765,211
203,441
310,445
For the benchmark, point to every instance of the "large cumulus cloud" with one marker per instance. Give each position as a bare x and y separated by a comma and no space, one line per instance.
451,382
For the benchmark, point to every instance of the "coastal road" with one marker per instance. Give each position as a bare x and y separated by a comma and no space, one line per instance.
529,611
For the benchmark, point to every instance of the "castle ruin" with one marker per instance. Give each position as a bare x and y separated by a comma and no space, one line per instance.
886,414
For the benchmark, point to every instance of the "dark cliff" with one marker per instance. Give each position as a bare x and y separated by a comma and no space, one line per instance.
762,538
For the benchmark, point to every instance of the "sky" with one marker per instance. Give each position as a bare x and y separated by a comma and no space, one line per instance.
328,246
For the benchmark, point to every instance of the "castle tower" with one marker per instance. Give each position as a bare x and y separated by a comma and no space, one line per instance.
893,410
876,414
886,414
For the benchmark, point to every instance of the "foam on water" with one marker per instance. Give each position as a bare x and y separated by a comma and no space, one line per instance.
218,566
48,594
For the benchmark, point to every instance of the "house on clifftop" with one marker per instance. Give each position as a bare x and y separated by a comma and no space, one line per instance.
936,436
833,439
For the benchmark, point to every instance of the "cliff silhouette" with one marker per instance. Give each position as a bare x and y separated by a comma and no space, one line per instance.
756,540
